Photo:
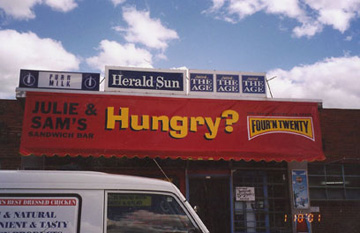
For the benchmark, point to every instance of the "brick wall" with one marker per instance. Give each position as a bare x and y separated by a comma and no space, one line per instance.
341,142
340,133
337,216
11,116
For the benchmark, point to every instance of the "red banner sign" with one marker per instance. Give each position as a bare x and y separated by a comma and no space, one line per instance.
115,125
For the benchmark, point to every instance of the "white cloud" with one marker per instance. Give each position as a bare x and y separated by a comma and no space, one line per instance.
239,9
23,9
337,14
61,5
348,38
244,8
335,81
113,53
144,30
19,9
312,15
289,8
28,51
308,29
217,4
117,2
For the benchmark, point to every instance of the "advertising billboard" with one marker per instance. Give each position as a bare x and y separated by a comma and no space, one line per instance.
227,84
141,80
170,127
59,80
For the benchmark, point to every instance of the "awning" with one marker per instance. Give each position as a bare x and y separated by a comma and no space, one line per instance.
165,127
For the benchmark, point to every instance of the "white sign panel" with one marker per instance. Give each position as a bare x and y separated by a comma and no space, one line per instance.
34,214
59,80
245,194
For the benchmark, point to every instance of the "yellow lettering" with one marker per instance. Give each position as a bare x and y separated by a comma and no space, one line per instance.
212,126
177,126
164,120
195,121
144,122
178,131
261,125
231,118
123,118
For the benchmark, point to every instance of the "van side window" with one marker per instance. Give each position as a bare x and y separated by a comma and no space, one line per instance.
127,212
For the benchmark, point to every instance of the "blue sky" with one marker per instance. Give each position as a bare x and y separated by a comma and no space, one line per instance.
311,46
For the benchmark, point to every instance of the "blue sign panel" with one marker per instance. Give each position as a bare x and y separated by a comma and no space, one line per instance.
29,78
253,84
227,83
118,79
90,82
59,80
201,82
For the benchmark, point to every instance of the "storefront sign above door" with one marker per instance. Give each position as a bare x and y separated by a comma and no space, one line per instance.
188,128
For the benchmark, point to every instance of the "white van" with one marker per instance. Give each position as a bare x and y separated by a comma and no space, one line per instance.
91,202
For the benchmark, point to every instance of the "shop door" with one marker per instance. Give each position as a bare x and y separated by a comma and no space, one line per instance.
265,214
211,196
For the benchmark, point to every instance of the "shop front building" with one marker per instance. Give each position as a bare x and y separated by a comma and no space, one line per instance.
229,157
246,165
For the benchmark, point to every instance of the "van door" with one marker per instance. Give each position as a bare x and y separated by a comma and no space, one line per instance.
211,194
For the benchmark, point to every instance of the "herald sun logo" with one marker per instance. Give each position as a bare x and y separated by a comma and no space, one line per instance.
262,125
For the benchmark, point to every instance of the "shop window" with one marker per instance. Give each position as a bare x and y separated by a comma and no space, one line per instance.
317,193
353,194
336,193
352,169
334,181
333,169
317,181
353,182
316,169
135,212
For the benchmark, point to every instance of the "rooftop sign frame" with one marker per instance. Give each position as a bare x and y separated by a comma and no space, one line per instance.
145,80
61,80
227,83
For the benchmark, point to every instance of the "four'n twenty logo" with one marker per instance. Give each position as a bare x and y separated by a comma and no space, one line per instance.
261,125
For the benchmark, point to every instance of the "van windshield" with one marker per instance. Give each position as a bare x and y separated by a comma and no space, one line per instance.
127,212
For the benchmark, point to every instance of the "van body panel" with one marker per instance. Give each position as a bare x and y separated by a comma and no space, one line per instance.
78,180
92,207
89,192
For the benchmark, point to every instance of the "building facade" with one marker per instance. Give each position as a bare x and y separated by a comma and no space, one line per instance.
231,195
